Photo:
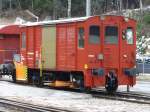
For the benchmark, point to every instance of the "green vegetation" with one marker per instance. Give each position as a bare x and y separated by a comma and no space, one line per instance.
58,8
146,19
143,33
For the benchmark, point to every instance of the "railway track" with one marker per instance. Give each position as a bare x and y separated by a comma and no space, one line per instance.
123,96
132,97
26,107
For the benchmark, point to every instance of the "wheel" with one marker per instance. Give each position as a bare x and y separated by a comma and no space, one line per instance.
111,85
14,76
81,84
78,82
87,89
37,80
41,82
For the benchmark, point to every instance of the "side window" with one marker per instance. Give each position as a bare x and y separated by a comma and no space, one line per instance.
94,35
111,35
23,40
81,38
129,35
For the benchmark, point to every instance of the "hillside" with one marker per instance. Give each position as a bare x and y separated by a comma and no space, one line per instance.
55,9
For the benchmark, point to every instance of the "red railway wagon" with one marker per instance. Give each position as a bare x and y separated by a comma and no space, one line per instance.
84,52
9,45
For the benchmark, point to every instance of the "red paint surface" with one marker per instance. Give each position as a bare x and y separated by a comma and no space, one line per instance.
9,43
66,47
72,58
10,29
31,54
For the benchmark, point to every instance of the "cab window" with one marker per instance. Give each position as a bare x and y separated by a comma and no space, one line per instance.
129,35
94,35
81,38
24,40
111,35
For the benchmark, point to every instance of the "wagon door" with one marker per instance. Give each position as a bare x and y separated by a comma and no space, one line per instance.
49,47
66,47
71,47
95,50
127,54
111,47
30,47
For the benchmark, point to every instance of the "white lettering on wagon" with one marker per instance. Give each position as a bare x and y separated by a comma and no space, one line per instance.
30,53
91,56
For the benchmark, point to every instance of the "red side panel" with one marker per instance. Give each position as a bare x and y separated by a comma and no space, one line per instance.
61,47
111,51
37,41
9,45
111,59
66,47
71,47
31,54
23,50
127,54
1,50
30,47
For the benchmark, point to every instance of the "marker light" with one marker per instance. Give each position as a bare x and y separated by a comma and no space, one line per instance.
85,66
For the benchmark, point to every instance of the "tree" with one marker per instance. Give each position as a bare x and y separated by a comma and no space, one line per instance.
1,5
143,35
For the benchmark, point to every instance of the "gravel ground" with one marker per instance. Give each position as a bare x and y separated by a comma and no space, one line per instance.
144,77
141,87
69,100
4,109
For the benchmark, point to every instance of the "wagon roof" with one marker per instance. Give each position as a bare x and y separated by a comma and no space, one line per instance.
68,20
53,22
9,29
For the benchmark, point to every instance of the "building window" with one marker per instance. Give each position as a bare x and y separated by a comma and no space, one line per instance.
81,38
129,35
24,40
94,36
111,35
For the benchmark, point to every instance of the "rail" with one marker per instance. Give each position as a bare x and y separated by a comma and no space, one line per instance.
123,96
26,107
134,97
